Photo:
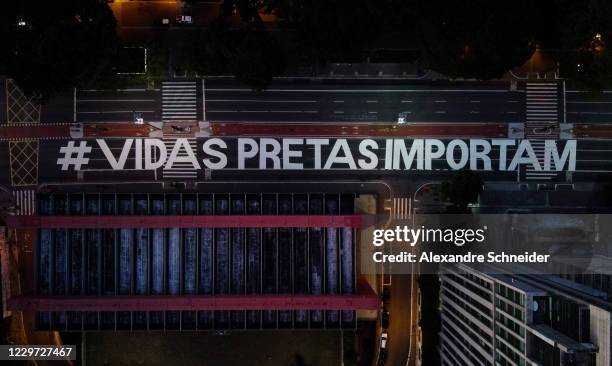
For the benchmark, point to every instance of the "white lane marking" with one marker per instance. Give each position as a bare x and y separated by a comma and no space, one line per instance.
371,101
74,105
262,101
203,100
440,101
474,101
109,112
272,111
338,112
406,101
117,90
602,113
338,101
369,90
113,100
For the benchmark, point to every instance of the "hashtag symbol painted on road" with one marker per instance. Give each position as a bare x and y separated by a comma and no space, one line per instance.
74,155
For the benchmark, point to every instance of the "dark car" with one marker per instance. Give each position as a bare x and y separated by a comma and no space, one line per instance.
386,295
384,319
382,356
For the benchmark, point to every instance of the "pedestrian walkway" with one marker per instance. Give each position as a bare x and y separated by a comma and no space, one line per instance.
179,100
25,200
542,121
179,170
400,208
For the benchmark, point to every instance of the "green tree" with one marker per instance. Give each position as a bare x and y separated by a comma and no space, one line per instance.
256,59
584,29
211,51
53,46
479,39
332,30
462,189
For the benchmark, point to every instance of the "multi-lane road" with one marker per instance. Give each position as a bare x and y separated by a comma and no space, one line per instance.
372,102
332,107
326,101
302,100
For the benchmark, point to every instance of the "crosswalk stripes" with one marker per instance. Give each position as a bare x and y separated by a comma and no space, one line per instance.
541,122
180,170
400,208
179,100
25,200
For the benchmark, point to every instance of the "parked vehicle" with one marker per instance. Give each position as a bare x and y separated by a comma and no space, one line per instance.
382,357
402,118
384,319
138,118
184,19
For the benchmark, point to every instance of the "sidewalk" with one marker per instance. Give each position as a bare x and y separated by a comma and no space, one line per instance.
365,70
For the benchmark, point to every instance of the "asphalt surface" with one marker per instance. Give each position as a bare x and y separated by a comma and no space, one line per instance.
99,169
402,321
348,101
588,108
320,100
296,100
593,164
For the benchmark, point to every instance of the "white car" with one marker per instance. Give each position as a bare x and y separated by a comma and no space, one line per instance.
402,118
138,119
184,19
383,341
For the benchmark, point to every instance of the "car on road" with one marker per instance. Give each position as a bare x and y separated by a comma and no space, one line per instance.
138,118
402,118
384,319
383,340
382,357
386,295
184,19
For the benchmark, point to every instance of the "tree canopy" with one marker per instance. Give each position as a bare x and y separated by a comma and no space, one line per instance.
332,30
584,29
256,59
462,189
49,47
473,38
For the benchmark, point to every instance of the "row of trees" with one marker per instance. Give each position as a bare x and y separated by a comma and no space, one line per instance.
252,55
52,46
470,39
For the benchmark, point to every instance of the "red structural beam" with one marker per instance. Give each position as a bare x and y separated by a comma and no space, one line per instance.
187,221
366,299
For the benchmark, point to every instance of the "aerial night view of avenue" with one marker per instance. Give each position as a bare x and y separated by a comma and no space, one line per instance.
306,182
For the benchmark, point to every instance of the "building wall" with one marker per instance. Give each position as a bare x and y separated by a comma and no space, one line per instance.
600,334
4,271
